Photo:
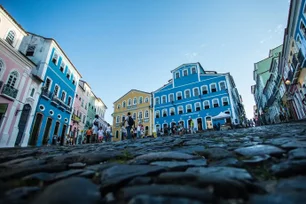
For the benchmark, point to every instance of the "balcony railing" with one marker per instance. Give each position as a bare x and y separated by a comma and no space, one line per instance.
46,94
76,118
300,57
294,61
9,91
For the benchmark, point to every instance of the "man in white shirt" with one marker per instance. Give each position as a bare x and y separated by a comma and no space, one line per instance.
95,128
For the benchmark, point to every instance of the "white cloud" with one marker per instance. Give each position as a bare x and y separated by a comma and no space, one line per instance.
191,56
279,29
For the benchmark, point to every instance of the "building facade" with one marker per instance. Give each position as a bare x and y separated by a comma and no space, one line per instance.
60,80
138,103
19,88
206,97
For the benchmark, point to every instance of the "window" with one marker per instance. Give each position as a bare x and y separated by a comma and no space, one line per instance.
206,105
140,115
12,80
185,72
172,111
32,92
164,113
62,67
177,75
48,84
55,58
188,108
187,93
146,100
180,110
55,91
30,50
213,88
164,100
225,101
123,118
215,103
63,97
129,102
1,67
123,104
118,106
134,116
156,114
171,97
204,89
10,37
197,106
193,70
84,118
156,101
227,112
303,28
222,85
135,101
69,101
68,74
196,91
146,114
140,100
179,95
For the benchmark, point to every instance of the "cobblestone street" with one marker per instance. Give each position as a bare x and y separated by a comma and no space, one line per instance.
255,165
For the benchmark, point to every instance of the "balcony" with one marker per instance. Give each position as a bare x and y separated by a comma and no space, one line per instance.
45,93
9,91
55,101
68,109
75,118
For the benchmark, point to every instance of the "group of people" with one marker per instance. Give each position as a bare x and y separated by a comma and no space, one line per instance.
96,134
176,129
129,129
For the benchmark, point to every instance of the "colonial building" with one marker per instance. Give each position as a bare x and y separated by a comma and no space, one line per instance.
206,97
138,103
19,88
91,109
101,108
60,80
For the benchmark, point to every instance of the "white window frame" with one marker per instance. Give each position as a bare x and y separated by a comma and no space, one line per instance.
184,72
31,90
129,102
188,105
124,104
63,65
179,75
17,78
118,106
157,113
12,41
68,72
118,119
64,97
185,95
169,97
206,89
179,92
213,104
158,101
220,85
208,104
170,110
70,101
122,118
146,115
140,115
58,91
146,100
134,115
134,101
180,108
222,99
165,111
193,68
163,97
210,86
193,91
301,21
140,100
199,105
53,57
3,68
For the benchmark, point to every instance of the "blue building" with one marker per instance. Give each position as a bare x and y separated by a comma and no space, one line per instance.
205,97
60,80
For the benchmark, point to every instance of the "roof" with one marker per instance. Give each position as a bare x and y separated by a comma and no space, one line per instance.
59,48
7,13
198,63
131,91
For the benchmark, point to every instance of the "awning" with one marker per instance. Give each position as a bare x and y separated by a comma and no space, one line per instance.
221,115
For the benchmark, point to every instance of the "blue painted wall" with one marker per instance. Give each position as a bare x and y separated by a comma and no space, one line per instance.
301,17
189,83
58,77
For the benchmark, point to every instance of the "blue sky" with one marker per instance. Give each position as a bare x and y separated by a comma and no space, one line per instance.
122,45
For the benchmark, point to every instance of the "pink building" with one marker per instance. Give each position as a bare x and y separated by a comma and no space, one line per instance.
19,89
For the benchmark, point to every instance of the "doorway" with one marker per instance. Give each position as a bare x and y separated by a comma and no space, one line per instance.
63,136
146,130
23,123
36,129
199,121
209,124
47,131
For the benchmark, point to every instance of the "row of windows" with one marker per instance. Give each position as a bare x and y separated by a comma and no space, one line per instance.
56,92
197,107
63,67
79,114
146,115
135,101
193,70
187,93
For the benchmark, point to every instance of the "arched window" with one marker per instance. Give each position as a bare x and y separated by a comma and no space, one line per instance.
164,99
213,88
62,67
123,118
164,113
135,101
118,119
12,79
55,58
56,89
129,102
32,92
171,97
193,70
146,100
140,115
68,74
157,114
118,106
123,104
179,95
188,108
196,91
10,37
222,85
172,111
63,97
146,114
206,105
177,75
225,101
134,116
187,93
185,72
69,101
157,101
1,68
204,89
140,100
180,110
197,106
215,103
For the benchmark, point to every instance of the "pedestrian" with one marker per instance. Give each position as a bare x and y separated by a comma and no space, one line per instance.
138,131
123,132
192,127
100,135
129,125
95,128
88,135
108,133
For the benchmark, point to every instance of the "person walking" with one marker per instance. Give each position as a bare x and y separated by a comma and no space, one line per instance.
88,135
100,135
108,133
138,131
129,125
95,128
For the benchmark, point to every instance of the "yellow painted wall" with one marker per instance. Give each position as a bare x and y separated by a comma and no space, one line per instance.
120,110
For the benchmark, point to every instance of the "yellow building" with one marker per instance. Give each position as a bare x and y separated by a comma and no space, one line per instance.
138,103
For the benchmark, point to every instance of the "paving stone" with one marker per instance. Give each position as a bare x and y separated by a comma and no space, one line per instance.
284,198
77,165
72,190
164,156
256,159
294,144
216,153
142,180
147,199
260,150
289,168
299,153
230,162
297,184
22,192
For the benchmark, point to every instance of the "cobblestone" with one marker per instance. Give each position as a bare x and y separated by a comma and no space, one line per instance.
254,165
